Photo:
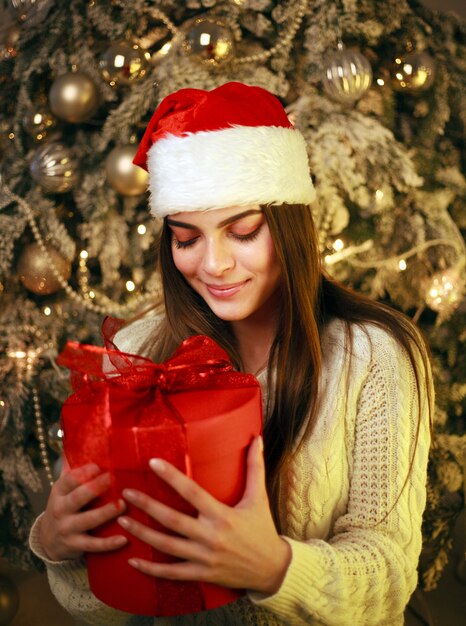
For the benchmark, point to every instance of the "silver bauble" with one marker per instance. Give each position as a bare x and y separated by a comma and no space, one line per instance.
73,97
208,40
55,168
346,75
125,177
31,11
124,63
35,272
413,72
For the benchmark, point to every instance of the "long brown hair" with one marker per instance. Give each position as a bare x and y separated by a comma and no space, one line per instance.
310,299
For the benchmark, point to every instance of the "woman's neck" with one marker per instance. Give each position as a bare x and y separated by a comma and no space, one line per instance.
255,336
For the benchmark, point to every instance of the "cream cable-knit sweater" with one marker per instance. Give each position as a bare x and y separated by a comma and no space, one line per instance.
355,543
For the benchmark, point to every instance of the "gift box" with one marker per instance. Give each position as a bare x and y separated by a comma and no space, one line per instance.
193,410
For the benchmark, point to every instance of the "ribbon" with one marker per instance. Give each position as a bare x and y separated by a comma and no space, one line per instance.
123,413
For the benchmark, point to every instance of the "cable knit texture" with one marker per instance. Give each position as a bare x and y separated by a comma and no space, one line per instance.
355,540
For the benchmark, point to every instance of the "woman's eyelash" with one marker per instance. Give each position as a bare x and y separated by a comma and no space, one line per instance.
184,244
248,237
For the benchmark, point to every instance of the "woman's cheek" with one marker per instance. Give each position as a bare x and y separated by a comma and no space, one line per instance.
184,261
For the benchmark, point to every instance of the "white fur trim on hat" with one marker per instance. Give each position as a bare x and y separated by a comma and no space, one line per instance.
235,166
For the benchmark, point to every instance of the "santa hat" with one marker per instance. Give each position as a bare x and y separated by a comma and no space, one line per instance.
232,146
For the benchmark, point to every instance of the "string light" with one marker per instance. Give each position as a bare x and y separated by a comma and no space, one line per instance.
338,245
47,310
130,286
380,81
142,229
402,265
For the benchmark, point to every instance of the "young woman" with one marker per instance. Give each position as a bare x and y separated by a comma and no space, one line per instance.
329,528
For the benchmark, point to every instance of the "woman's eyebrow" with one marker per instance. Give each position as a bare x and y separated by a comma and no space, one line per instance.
229,220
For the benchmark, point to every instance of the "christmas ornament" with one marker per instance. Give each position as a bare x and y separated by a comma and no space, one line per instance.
158,43
444,291
55,437
9,41
54,168
208,40
126,178
73,97
35,271
31,11
38,122
9,600
123,63
346,75
413,72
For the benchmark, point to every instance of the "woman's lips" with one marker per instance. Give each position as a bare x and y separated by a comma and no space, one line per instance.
225,291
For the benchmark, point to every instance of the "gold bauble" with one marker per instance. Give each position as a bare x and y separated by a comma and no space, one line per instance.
124,63
73,97
413,72
209,41
35,272
9,600
38,122
55,168
55,437
125,177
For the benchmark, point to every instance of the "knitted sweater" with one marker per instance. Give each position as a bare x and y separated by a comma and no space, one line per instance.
355,541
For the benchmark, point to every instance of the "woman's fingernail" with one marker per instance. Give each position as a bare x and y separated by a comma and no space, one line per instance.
134,563
157,465
129,494
119,540
120,505
123,521
260,441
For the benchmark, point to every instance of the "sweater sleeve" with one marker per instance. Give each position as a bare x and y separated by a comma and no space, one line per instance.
70,585
365,573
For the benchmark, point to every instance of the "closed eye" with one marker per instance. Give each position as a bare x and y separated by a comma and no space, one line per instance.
249,236
184,244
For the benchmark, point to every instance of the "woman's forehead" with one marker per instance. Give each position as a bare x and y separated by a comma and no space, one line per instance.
214,216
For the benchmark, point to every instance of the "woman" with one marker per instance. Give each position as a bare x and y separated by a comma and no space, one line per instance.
329,528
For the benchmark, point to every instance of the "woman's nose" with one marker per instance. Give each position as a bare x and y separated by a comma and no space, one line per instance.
217,258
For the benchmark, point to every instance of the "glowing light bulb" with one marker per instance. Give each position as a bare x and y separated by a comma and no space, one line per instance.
142,229
130,286
402,264
338,245
47,310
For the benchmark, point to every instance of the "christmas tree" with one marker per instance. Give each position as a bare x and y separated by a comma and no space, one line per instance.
376,88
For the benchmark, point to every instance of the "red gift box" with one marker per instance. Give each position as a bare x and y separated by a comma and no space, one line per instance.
194,411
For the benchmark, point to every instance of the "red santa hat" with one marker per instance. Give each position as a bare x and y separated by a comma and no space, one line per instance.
232,146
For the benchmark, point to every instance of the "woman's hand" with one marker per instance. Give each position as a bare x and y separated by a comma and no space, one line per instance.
63,527
235,547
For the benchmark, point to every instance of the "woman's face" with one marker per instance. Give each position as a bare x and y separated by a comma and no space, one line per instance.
228,258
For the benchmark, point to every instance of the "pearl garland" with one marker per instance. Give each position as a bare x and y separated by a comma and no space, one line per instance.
281,46
111,306
40,433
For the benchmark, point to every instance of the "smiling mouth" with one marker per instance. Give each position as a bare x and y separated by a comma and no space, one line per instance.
225,290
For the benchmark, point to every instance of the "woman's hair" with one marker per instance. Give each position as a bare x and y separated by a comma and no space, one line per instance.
309,300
